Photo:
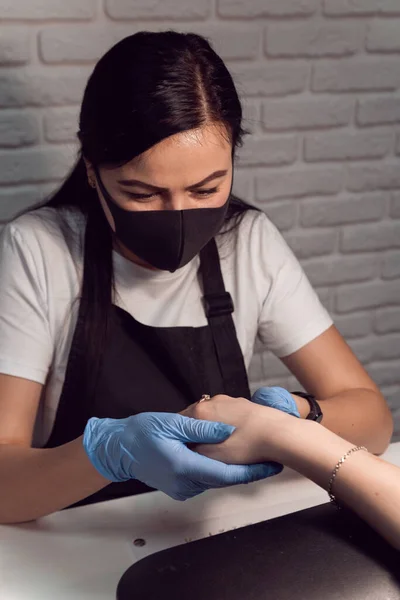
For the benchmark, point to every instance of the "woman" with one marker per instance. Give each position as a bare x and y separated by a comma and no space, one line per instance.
352,476
141,285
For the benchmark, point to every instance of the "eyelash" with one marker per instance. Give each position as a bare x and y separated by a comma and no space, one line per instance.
201,193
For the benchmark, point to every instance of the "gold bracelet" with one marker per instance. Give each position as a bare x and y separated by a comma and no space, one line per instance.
335,472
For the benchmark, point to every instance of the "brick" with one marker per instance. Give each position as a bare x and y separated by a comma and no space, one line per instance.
298,182
367,295
251,114
306,113
396,428
273,367
243,184
363,349
395,206
396,421
380,236
268,151
336,270
392,396
391,265
31,10
387,347
305,245
370,177
384,36
27,166
385,373
266,8
86,44
314,39
271,79
74,44
355,325
13,201
158,9
347,145
320,212
359,75
282,214
325,295
18,129
61,124
338,8
232,43
14,46
387,320
375,111
47,190
42,87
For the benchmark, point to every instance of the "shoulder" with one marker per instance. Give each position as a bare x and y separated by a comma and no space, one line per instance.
256,242
44,247
44,233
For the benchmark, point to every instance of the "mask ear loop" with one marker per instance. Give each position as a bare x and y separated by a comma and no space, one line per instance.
104,191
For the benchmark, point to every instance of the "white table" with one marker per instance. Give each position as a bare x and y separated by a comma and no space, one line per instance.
80,554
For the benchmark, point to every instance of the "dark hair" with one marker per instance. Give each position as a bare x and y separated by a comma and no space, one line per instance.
146,88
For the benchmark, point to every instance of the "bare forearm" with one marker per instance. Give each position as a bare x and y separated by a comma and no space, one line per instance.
37,482
358,415
365,483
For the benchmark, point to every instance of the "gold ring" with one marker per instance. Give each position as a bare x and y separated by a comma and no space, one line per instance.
204,398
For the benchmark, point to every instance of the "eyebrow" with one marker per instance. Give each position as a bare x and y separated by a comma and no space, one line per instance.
131,182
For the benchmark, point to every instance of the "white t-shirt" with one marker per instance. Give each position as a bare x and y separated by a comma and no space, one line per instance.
40,275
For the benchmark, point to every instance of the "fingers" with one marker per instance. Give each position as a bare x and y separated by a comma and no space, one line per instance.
213,473
236,474
203,432
195,410
278,398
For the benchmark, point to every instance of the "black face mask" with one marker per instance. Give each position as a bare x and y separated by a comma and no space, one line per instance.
166,239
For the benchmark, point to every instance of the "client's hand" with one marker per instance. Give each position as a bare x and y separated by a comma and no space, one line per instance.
254,424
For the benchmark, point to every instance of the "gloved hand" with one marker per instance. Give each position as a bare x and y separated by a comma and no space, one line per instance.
276,397
151,447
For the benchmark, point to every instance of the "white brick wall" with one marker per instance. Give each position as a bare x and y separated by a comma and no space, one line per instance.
321,85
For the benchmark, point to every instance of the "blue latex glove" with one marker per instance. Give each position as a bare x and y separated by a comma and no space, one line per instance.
276,397
151,447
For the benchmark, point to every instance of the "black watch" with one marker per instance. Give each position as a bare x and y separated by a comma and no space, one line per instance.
315,413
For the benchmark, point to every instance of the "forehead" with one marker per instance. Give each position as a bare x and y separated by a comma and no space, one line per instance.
183,158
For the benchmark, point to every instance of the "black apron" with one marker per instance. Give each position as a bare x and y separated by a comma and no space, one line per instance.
154,369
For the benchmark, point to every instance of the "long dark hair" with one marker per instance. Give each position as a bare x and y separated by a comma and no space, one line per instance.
146,88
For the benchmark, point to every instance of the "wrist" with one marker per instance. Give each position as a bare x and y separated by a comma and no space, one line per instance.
280,435
302,406
314,451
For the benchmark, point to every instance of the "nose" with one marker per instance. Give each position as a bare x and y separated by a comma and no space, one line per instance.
177,201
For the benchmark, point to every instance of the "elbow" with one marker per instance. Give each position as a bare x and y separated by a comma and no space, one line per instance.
384,430
12,519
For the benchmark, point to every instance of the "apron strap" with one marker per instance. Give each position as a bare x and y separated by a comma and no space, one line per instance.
218,306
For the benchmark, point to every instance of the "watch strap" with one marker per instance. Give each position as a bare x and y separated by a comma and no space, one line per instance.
315,413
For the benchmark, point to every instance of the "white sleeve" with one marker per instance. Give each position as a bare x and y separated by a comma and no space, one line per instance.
26,348
291,313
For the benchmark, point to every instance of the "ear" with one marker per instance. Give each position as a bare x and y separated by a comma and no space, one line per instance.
90,173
